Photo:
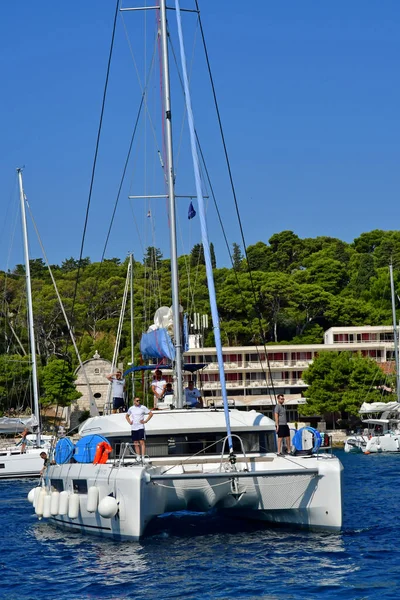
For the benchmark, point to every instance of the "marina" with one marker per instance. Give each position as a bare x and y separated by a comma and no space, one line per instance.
200,382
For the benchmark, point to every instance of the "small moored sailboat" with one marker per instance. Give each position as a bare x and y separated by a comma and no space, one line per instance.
13,462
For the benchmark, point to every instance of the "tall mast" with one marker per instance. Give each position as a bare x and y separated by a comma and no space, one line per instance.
30,308
171,204
395,333
132,323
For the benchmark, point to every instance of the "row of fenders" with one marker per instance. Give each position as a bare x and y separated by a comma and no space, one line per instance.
51,503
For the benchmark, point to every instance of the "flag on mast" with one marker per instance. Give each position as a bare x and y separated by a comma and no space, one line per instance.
191,211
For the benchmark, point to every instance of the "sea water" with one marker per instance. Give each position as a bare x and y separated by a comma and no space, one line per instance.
193,556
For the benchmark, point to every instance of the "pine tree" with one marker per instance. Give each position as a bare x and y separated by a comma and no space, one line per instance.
237,257
213,259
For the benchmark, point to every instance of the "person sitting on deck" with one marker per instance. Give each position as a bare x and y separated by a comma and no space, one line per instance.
192,396
168,390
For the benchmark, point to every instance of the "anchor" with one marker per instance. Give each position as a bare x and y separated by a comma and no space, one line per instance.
235,492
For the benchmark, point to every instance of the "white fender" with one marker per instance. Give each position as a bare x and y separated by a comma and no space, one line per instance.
46,506
55,503
73,507
31,495
108,507
92,498
63,504
36,496
40,502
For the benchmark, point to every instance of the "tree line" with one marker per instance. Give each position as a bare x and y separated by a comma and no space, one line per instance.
286,290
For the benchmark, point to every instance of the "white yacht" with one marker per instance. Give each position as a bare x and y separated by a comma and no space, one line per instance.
197,459
16,465
382,432
188,467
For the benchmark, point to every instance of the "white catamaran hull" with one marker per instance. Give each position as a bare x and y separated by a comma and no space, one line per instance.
387,442
300,491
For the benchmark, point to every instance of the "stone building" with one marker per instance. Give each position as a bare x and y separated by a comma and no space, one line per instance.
96,370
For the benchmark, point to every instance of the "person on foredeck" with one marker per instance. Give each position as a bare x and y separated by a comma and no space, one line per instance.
135,417
118,390
158,386
192,396
23,441
46,462
282,428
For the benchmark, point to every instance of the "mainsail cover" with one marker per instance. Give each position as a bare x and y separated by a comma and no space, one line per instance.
17,425
157,344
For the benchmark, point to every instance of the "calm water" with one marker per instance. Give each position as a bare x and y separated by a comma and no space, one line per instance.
195,557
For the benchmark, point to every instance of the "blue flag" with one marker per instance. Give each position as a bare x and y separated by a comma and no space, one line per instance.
191,211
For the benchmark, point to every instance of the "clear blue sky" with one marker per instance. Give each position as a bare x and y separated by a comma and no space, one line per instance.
309,95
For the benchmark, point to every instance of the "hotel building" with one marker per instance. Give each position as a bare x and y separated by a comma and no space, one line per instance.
253,382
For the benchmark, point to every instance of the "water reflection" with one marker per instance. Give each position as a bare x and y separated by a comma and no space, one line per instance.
94,554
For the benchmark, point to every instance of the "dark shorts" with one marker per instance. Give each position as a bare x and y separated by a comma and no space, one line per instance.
137,435
283,431
118,402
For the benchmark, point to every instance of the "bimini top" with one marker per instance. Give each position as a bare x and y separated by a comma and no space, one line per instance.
192,367
180,421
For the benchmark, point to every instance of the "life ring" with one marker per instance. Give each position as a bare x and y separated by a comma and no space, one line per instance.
103,449
297,441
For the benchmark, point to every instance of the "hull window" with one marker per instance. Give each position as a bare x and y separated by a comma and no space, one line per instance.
57,484
80,486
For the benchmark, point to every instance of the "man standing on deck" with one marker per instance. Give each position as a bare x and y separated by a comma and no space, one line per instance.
158,386
23,440
118,389
135,417
282,428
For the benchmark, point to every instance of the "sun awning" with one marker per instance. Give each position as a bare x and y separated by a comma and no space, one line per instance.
191,367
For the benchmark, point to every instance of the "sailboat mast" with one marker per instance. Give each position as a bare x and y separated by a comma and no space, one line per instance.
30,307
171,204
395,333
132,323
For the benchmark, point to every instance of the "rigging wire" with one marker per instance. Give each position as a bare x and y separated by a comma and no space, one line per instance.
256,305
154,283
94,164
77,279
122,177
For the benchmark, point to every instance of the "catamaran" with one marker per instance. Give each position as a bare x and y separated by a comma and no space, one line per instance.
197,459
382,419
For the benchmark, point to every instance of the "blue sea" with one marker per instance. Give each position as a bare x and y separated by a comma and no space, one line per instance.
203,557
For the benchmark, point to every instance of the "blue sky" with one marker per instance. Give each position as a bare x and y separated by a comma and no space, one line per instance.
309,96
